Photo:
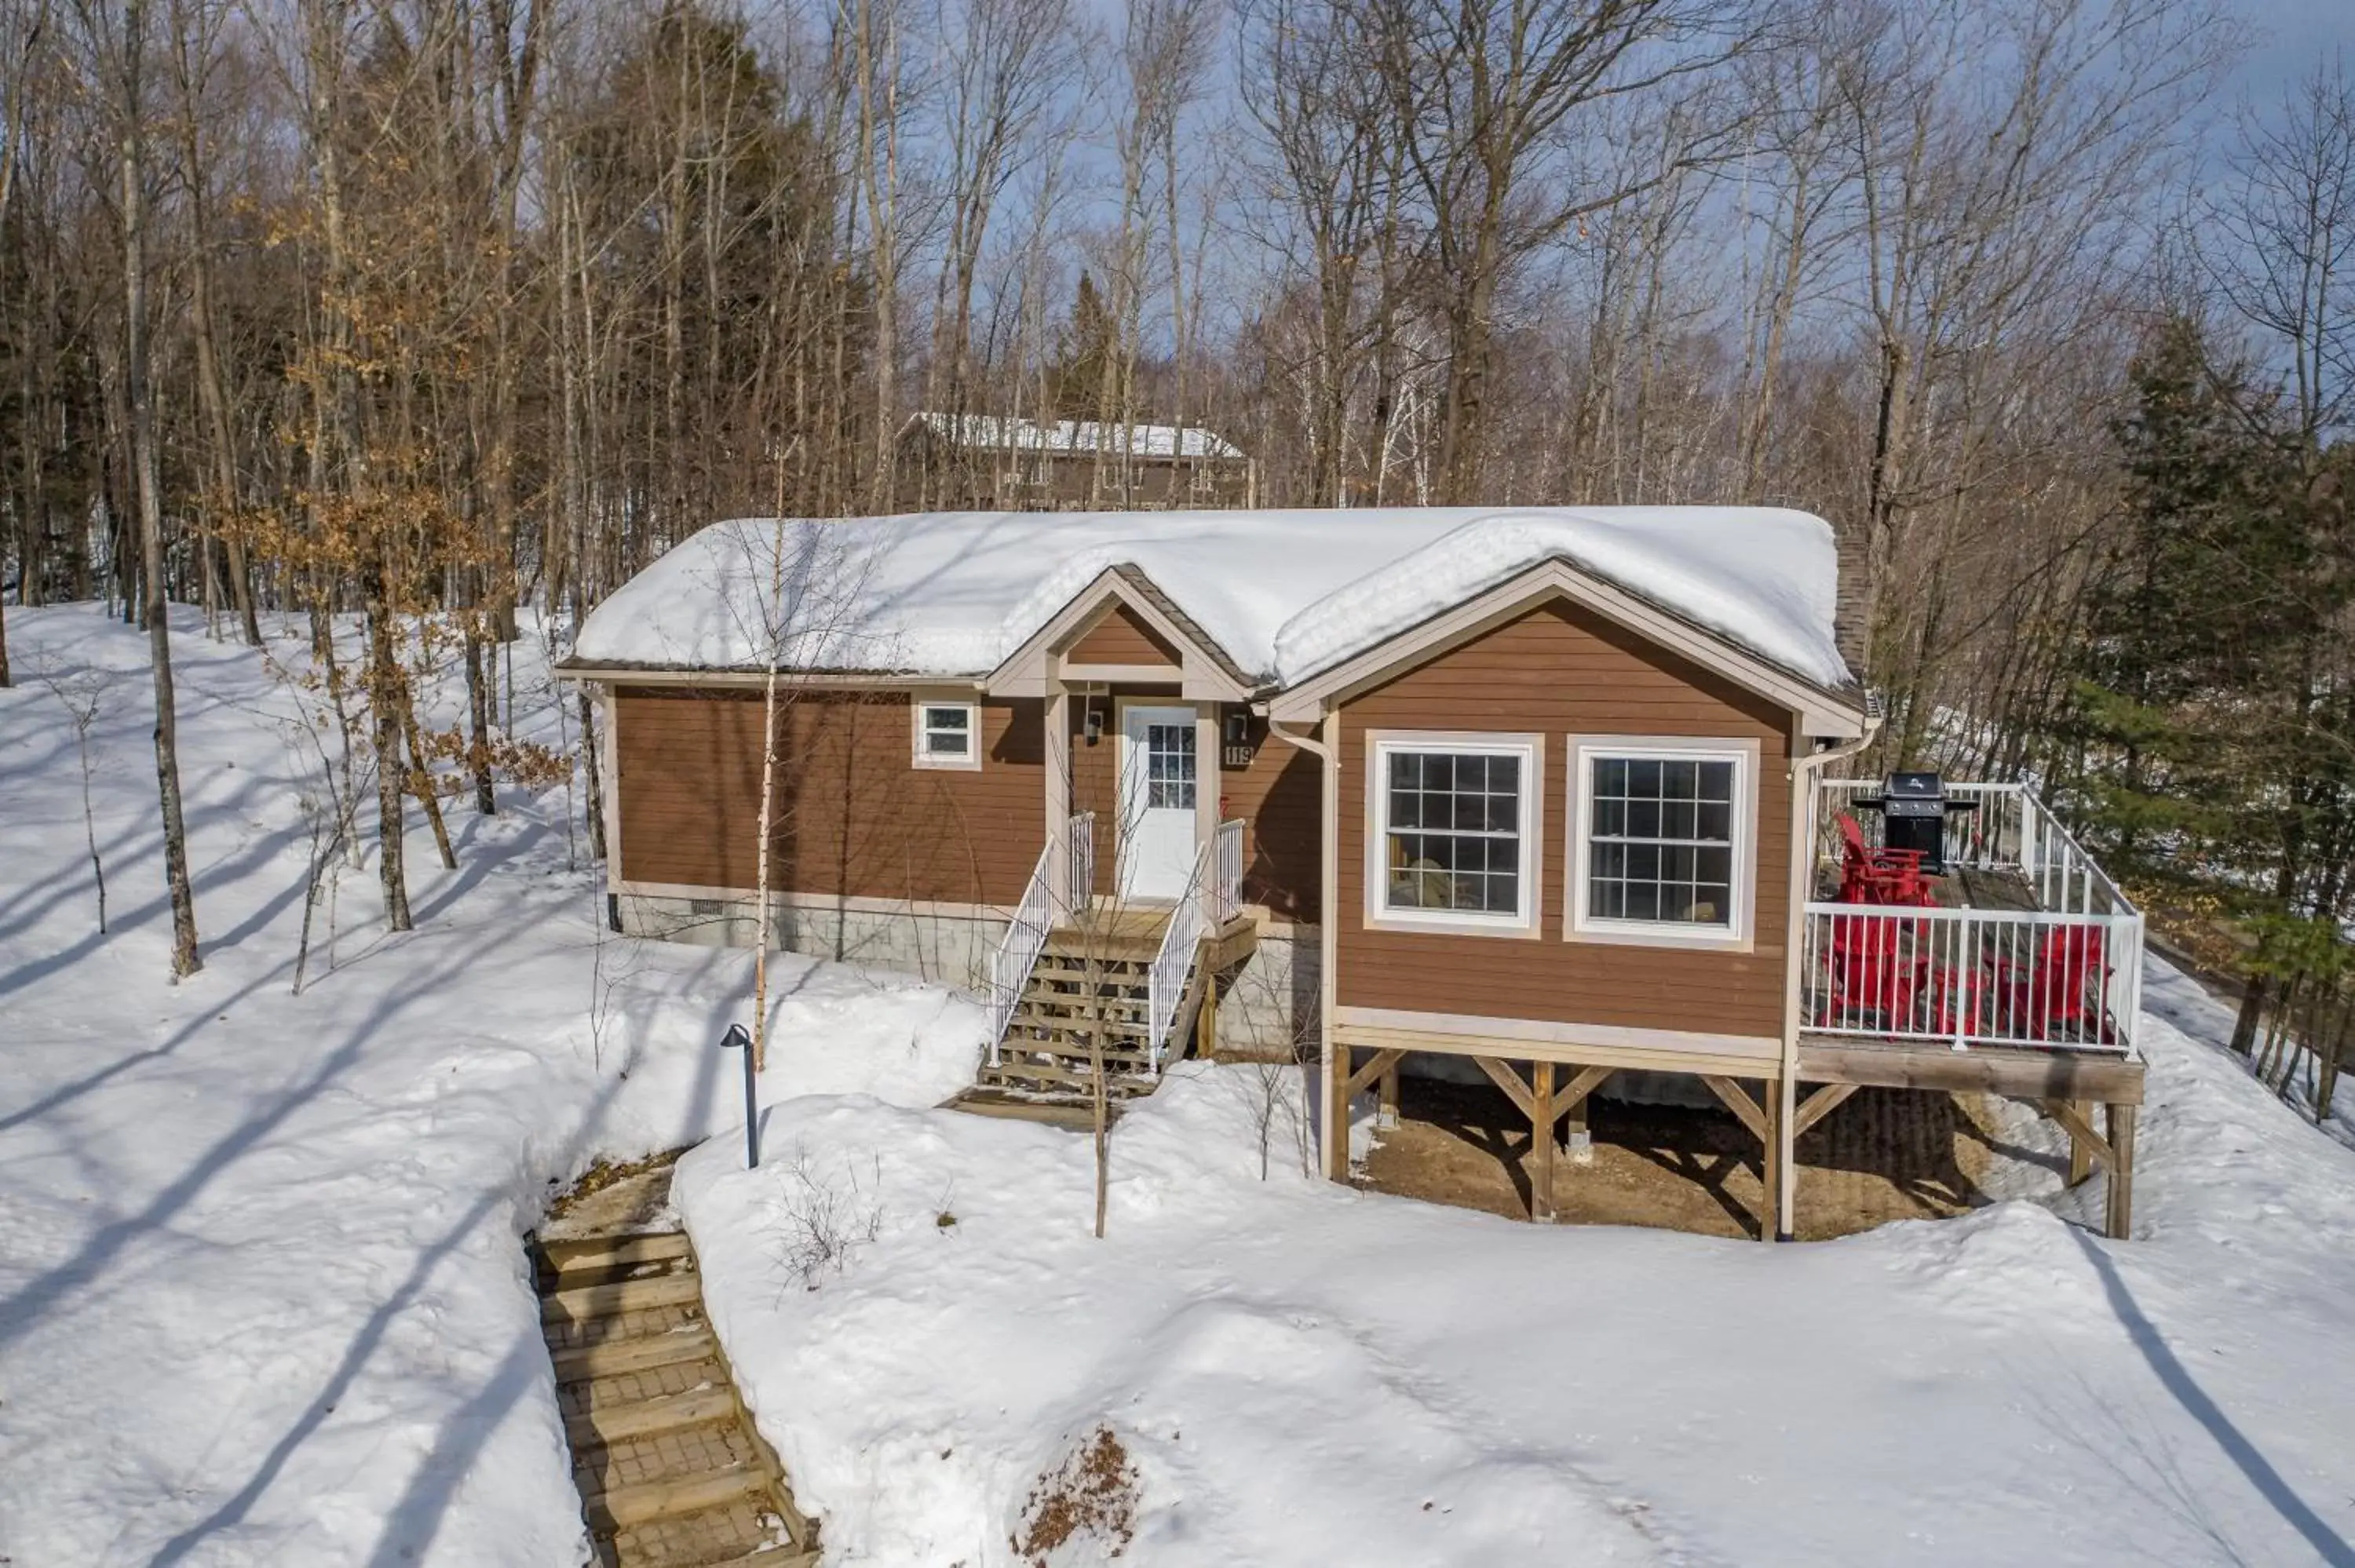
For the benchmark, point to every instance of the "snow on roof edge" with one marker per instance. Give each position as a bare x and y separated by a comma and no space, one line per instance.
952,595
1394,598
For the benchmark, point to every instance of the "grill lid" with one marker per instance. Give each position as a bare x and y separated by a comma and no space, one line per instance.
1912,795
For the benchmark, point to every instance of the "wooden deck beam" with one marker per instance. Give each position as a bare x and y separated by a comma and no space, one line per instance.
1983,1069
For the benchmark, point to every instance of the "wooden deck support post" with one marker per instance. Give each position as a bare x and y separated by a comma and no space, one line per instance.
1389,1114
1775,1223
1336,1112
2121,1194
1541,1145
1206,1020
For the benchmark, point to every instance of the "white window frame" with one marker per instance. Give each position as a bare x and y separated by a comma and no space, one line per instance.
920,737
1739,934
1380,744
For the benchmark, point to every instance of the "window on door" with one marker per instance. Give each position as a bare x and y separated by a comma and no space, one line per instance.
1169,766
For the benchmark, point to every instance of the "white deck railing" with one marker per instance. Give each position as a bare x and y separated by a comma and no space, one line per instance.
1034,918
1213,897
2066,973
2011,830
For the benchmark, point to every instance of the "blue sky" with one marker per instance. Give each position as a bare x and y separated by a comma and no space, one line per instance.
2295,34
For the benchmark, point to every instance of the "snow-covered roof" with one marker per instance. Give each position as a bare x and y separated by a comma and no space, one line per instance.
1082,438
1284,594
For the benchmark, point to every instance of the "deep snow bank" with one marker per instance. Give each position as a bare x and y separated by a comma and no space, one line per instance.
262,1298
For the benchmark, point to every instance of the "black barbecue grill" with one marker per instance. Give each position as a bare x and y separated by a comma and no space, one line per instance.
1913,807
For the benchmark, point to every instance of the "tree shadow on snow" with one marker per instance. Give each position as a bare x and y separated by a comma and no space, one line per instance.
42,1295
2177,1379
416,1518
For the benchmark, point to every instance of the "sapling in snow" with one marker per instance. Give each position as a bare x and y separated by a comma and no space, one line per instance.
82,694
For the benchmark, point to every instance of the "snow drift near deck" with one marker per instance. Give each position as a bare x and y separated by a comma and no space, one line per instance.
1283,593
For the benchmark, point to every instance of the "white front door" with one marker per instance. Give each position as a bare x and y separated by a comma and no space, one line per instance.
1157,802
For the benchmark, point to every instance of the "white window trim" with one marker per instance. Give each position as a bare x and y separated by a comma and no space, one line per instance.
970,761
1740,935
1523,924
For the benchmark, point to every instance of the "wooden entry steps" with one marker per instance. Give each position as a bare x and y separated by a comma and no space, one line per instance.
1091,985
671,1471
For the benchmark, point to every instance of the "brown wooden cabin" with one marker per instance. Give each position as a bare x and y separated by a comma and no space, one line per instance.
1558,828
986,462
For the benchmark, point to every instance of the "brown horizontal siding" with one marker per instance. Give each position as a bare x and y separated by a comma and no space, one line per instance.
1121,636
1277,797
852,815
1560,671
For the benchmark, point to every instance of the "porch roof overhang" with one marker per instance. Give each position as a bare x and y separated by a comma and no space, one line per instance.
1823,712
1204,671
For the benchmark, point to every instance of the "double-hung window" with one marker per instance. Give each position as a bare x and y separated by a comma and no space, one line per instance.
1661,847
1454,833
948,733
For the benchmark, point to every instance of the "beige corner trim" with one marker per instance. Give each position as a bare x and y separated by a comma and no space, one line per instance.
1824,713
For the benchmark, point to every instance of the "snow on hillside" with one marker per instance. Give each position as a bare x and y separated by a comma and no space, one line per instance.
261,1293
1303,1374
261,1299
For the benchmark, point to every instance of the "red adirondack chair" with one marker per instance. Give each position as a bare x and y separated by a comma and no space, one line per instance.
2059,995
1878,966
1870,875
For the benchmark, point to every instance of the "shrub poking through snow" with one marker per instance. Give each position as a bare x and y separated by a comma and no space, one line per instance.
1092,1493
826,1222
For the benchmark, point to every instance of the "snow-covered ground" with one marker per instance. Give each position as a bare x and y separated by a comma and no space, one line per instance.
261,1295
261,1300
1303,1374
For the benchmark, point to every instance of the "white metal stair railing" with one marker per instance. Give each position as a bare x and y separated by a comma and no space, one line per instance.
1227,883
1213,895
1081,888
1034,919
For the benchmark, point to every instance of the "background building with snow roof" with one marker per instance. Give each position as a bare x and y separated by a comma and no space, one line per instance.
990,462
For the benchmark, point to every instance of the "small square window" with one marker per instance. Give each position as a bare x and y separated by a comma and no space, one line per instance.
948,735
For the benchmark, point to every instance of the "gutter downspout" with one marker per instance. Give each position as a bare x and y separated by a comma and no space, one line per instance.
1326,748
1803,862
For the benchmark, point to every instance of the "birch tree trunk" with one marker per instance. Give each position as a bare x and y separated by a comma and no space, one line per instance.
148,481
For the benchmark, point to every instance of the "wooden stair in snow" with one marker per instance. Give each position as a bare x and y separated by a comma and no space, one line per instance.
671,1470
1091,986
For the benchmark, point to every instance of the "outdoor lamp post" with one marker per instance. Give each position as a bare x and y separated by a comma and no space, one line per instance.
737,1040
